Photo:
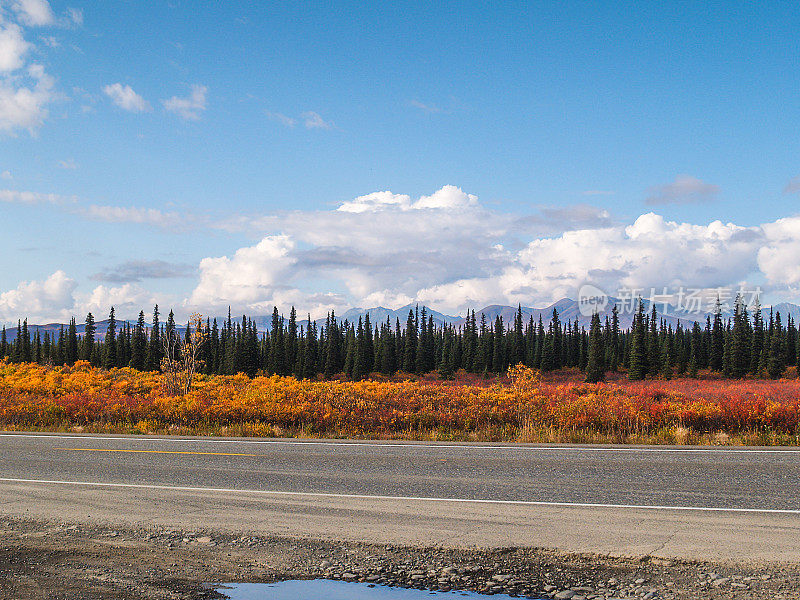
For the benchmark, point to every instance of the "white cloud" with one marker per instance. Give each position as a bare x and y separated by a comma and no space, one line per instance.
376,201
6,175
124,97
384,241
135,214
314,120
684,190
13,47
33,12
39,300
25,106
649,253
21,197
779,257
127,300
448,197
191,107
448,250
250,277
26,90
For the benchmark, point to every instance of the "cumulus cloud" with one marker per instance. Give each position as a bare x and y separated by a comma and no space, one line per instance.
448,197
125,98
13,47
56,298
39,300
448,250
314,120
26,90
34,12
127,300
250,277
376,201
133,271
190,107
684,190
385,247
25,106
779,256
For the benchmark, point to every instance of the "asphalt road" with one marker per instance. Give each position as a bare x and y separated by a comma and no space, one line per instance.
718,503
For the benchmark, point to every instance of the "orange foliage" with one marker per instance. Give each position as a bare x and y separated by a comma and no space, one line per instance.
32,396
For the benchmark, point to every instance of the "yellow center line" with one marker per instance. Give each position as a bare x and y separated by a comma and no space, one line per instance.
159,451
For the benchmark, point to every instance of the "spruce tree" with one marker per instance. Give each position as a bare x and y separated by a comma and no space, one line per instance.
139,344
777,353
638,358
757,341
87,344
548,351
154,346
742,341
498,354
410,344
72,342
717,353
696,341
110,343
310,351
595,368
331,347
653,344
614,338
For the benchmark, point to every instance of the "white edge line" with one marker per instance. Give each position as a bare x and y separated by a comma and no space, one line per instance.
209,440
143,486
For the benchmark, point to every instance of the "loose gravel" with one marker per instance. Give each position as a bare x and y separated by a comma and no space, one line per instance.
67,561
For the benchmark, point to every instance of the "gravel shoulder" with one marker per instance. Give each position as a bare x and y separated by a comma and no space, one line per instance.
51,560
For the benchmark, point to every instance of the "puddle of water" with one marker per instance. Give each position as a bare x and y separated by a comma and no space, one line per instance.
325,589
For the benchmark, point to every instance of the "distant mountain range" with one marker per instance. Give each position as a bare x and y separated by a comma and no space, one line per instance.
568,310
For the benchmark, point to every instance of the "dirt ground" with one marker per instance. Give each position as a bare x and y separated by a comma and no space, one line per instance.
40,560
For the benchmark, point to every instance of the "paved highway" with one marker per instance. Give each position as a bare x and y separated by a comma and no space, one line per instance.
723,503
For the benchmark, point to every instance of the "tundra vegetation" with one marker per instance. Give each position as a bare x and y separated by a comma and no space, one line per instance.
521,406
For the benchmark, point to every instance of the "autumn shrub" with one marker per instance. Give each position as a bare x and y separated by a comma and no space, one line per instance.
523,406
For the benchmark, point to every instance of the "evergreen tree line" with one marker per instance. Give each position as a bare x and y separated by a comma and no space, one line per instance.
740,346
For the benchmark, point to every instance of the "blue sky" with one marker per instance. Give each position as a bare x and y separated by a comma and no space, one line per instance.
203,154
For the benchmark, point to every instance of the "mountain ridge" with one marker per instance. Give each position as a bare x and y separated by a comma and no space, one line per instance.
568,310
